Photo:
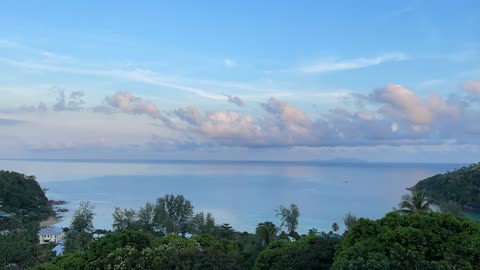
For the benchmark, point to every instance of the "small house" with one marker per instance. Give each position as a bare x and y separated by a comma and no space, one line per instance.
50,234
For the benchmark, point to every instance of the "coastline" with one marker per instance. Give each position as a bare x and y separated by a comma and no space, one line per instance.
51,220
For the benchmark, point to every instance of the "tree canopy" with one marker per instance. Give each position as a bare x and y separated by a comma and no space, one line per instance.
81,228
417,241
137,250
289,217
170,214
310,252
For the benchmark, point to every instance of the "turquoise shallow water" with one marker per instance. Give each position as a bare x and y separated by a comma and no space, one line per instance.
472,215
240,193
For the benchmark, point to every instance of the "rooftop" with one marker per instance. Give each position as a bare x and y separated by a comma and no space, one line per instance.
50,230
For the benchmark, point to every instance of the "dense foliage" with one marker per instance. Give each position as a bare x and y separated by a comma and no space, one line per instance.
416,241
80,233
170,214
289,217
22,195
461,186
310,252
138,250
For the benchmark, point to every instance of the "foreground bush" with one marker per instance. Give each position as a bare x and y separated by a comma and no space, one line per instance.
429,241
136,250
311,252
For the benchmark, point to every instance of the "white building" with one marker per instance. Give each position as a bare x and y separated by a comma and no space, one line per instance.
50,234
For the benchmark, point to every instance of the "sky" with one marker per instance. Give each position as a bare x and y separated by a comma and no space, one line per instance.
391,81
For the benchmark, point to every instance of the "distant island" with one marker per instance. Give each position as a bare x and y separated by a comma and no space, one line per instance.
461,186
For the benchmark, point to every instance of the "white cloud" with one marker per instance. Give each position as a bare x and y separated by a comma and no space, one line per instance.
395,116
126,102
403,102
349,64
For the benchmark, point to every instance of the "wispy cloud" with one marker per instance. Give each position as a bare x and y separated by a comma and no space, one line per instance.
135,75
431,83
229,63
349,64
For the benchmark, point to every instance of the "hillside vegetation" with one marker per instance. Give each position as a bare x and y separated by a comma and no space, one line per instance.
22,195
461,186
414,241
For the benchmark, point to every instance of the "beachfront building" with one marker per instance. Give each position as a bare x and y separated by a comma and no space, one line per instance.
50,234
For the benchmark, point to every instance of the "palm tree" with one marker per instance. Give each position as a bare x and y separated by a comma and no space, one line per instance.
335,227
267,231
417,202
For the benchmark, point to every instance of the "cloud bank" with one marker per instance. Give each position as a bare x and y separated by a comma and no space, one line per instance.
391,115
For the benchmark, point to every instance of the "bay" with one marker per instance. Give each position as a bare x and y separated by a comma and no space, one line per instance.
235,192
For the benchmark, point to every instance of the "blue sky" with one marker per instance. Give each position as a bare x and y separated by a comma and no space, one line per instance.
246,80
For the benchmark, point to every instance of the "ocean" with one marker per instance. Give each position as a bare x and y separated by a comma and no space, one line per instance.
242,194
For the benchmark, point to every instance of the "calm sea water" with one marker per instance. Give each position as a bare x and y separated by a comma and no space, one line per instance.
240,193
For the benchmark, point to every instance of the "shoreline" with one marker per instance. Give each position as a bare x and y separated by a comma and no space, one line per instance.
51,220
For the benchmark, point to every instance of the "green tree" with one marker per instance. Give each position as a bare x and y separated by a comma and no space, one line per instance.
173,214
81,228
125,219
146,217
98,251
250,246
349,220
310,252
416,202
225,231
417,241
202,223
72,261
335,227
312,232
19,249
267,232
289,217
